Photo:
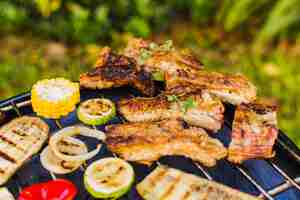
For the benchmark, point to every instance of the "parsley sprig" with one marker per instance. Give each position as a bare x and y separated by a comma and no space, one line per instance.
147,53
184,105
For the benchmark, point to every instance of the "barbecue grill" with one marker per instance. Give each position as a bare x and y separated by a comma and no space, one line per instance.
278,178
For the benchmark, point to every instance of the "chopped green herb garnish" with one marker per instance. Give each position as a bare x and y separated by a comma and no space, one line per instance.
147,53
167,46
144,55
158,76
172,98
188,104
184,105
153,46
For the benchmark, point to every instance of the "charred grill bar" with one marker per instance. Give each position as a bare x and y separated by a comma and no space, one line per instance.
17,103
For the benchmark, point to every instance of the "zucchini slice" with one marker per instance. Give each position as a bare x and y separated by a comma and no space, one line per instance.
5,194
96,111
109,178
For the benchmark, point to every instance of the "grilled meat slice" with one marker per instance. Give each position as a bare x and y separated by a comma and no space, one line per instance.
146,142
161,59
234,89
204,111
254,131
113,70
19,140
172,184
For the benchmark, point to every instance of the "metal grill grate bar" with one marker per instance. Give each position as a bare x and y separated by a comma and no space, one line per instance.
268,194
260,188
285,175
204,171
282,187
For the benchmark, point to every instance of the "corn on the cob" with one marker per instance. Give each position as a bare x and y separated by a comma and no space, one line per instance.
54,98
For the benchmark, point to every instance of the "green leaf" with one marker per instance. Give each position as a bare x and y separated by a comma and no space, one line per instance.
172,98
188,104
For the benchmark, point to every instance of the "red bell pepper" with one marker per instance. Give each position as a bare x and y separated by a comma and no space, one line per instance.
53,190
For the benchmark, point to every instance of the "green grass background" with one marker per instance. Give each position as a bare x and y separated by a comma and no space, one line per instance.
259,38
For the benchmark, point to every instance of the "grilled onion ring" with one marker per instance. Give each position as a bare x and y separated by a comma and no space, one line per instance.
72,131
70,146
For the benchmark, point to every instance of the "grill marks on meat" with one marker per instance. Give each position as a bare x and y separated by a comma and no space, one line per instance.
162,61
19,140
207,113
173,184
254,131
147,142
234,89
113,70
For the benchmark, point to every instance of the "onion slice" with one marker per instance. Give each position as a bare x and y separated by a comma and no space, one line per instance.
70,146
72,131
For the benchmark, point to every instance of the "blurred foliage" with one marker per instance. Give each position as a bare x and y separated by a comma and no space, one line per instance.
87,21
260,38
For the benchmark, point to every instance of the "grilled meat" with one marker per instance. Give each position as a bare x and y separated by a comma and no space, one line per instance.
234,89
172,184
113,70
161,58
254,131
196,109
19,140
146,142
2,117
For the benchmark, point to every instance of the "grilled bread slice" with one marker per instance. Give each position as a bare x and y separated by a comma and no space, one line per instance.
166,183
19,140
196,109
113,70
254,131
146,142
230,88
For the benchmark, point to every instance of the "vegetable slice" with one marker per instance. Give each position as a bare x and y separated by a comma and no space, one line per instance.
109,178
5,194
96,111
70,146
59,189
72,131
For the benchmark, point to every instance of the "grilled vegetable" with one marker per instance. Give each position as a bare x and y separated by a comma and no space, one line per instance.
19,140
172,184
5,194
70,146
59,189
54,98
72,131
96,111
109,178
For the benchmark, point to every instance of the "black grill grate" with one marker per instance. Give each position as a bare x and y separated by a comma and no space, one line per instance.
280,181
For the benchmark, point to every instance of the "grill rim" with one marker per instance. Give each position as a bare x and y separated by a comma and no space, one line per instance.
18,101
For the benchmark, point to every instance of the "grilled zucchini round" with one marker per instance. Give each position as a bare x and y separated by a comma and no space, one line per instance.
109,178
96,111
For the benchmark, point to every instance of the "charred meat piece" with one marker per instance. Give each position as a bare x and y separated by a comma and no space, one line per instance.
172,184
147,142
196,109
161,58
113,70
234,89
19,140
254,131
2,117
